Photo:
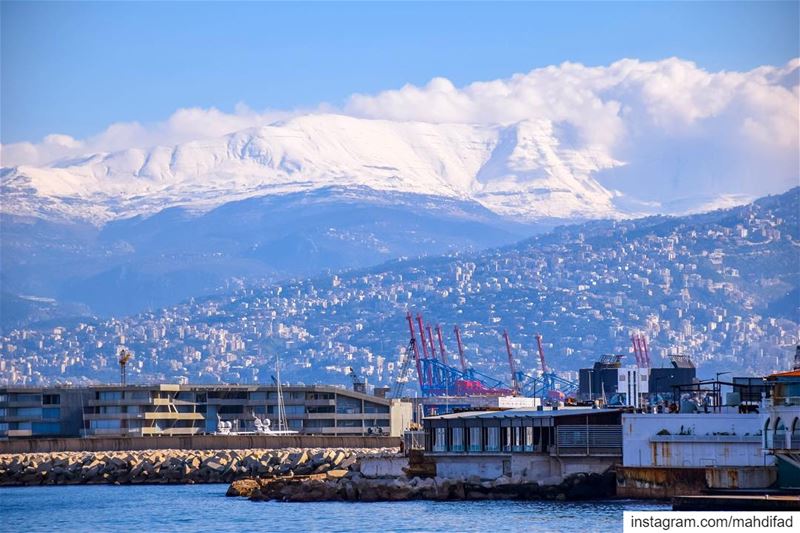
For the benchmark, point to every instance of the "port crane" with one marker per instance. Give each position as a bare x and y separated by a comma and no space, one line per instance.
548,386
436,377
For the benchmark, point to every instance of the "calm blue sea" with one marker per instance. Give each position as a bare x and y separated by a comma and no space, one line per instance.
139,509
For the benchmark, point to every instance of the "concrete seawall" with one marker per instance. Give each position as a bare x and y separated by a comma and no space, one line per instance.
194,442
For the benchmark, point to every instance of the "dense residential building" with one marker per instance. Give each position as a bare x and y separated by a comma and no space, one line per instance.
718,287
172,409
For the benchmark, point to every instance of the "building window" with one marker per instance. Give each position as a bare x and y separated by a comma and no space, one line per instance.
258,396
46,428
475,439
295,409
493,439
29,411
51,399
517,444
104,424
317,409
529,439
2,411
375,408
110,395
348,406
440,440
51,412
324,423
457,442
27,398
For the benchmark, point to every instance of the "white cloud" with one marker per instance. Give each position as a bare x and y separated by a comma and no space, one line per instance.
680,129
184,125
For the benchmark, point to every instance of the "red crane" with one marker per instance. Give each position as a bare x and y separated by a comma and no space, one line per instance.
442,351
430,340
541,353
414,346
460,348
514,380
424,347
646,351
636,351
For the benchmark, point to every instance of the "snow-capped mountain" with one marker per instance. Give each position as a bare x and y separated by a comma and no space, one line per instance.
521,171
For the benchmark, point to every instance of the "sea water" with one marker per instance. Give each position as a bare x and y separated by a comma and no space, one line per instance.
143,508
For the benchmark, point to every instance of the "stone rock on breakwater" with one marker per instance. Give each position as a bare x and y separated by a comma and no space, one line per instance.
352,486
175,466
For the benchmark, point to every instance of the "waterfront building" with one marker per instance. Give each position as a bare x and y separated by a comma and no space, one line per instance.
172,409
41,412
781,427
542,445
727,448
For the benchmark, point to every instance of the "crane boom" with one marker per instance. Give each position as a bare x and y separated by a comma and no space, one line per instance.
646,351
442,351
429,375
541,353
460,348
636,351
413,346
514,380
430,341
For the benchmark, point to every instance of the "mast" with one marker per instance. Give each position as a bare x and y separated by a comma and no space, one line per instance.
282,422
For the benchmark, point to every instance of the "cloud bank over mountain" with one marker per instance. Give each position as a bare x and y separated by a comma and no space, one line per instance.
659,131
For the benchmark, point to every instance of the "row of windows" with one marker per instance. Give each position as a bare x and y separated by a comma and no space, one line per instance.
490,439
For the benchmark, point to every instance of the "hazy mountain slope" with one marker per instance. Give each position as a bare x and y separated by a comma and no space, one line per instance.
148,262
721,287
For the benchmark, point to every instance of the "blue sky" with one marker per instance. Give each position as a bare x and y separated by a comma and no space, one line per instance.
75,68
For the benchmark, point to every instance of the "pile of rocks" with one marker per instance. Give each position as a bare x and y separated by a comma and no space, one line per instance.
174,466
351,485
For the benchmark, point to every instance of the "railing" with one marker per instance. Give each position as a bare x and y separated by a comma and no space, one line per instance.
413,440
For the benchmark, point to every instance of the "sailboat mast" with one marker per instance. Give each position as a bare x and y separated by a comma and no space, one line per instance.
282,422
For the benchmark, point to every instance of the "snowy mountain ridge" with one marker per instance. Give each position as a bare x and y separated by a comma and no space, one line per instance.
521,171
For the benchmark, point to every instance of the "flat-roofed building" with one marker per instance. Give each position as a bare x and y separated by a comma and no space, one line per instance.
40,412
542,445
171,409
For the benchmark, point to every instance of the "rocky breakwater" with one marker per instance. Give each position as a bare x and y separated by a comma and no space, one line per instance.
350,484
173,466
